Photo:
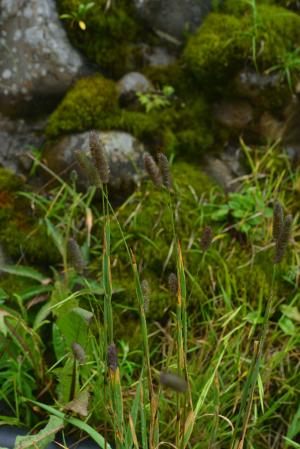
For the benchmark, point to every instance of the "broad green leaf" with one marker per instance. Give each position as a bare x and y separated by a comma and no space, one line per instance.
220,214
43,438
287,326
291,312
96,436
58,342
294,428
56,236
22,271
254,318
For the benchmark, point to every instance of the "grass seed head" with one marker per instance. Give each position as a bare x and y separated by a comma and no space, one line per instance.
146,294
163,164
206,238
283,239
87,168
173,381
278,219
74,256
99,157
112,357
152,170
173,284
78,352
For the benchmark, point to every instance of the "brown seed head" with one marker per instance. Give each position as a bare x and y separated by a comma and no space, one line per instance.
173,284
173,381
146,294
74,256
112,357
206,238
278,219
163,164
78,352
87,168
152,170
99,157
283,239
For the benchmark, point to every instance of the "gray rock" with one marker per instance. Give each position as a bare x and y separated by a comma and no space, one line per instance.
37,63
227,167
251,84
134,82
125,155
131,84
173,17
234,114
156,56
17,138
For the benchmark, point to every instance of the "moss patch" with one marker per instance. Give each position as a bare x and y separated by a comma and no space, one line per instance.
224,42
109,34
90,99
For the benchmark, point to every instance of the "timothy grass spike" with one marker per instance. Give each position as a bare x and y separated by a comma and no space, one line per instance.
163,164
99,157
152,170
87,168
75,257
278,219
78,352
206,238
283,239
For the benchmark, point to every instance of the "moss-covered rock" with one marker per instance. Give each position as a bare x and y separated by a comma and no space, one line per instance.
20,231
91,99
217,48
109,34
224,42
183,126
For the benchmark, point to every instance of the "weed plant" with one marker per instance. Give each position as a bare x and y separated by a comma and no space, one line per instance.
217,368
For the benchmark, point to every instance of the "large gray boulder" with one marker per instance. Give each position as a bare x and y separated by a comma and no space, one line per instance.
173,17
37,63
17,139
124,152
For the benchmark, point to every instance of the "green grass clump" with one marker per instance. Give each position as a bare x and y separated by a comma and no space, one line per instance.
229,328
109,35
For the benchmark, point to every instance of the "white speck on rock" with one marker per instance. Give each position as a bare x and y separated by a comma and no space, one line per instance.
28,12
17,35
6,74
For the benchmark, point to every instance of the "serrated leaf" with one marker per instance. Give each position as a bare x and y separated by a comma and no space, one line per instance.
80,404
43,438
58,342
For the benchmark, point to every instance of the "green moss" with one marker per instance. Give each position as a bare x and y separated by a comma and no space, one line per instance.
109,34
20,231
90,99
184,127
218,47
224,42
